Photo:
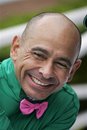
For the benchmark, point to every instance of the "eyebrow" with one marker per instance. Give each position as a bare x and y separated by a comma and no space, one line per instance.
40,49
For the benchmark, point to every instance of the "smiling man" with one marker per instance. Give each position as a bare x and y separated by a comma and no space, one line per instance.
34,80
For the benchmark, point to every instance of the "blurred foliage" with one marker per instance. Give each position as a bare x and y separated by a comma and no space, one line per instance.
82,29
81,74
83,128
65,5
5,52
61,6
15,20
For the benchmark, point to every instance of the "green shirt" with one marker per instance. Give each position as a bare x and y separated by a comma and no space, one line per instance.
60,115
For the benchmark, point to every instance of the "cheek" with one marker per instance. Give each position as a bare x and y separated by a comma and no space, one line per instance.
30,63
24,61
62,76
25,64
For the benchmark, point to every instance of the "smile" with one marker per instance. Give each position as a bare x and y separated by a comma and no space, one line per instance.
38,82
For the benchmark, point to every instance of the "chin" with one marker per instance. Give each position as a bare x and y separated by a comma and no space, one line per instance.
39,97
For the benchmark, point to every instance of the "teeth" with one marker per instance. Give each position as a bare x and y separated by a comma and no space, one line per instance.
38,82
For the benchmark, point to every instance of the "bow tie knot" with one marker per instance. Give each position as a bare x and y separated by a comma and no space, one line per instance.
27,107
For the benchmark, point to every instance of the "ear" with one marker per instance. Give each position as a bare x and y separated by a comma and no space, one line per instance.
14,47
74,69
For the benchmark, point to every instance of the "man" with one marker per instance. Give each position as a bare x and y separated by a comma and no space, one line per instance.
43,60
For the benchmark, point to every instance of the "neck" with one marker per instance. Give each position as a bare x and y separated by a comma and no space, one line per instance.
30,98
33,100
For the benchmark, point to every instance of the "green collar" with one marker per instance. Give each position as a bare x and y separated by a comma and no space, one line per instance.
10,76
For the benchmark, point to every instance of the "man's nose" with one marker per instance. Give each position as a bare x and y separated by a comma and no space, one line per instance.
46,70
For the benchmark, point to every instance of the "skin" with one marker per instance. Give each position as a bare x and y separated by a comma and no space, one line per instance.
46,57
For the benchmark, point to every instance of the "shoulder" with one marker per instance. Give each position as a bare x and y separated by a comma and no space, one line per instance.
63,108
4,67
63,105
71,94
64,97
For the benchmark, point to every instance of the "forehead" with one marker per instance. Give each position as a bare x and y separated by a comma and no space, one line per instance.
55,34
54,28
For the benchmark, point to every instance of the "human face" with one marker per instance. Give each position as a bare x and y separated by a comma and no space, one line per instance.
43,64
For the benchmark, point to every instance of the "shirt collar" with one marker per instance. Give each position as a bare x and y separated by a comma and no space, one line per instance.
10,76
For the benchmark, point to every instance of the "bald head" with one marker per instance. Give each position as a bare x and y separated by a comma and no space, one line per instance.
47,57
51,26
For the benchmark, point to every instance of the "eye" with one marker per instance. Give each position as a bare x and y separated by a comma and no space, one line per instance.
39,55
62,65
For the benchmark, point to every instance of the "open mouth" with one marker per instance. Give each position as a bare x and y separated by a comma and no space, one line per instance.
38,82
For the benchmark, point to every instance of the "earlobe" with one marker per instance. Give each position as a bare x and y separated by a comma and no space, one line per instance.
74,69
14,47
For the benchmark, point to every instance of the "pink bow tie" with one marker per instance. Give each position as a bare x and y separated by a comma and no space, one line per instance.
27,107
